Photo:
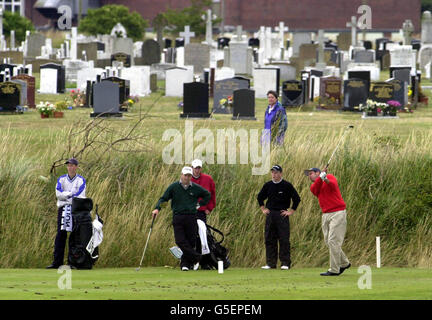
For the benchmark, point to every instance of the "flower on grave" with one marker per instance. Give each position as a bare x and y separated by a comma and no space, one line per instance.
77,97
180,104
410,92
226,102
394,103
46,108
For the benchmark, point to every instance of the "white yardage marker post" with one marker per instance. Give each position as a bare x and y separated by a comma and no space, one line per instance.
378,252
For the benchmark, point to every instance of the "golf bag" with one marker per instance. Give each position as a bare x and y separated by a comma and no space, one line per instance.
82,232
217,251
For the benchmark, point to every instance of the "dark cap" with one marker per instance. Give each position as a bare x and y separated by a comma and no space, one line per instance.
277,168
306,172
72,161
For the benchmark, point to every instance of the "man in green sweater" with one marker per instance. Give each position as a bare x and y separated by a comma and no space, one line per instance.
184,196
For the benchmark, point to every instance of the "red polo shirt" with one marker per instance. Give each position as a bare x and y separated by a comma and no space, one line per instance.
207,183
329,196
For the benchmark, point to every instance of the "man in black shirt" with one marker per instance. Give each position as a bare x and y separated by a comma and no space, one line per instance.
279,194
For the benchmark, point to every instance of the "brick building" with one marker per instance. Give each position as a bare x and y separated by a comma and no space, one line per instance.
387,15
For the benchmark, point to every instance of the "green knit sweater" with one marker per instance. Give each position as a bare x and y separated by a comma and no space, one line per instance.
184,201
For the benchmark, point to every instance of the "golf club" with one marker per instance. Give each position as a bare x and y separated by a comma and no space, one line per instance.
145,247
340,140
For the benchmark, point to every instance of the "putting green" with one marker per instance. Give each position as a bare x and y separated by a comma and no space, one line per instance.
235,284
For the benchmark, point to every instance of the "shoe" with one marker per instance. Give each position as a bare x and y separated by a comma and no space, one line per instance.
329,273
53,266
267,267
342,269
196,266
285,267
185,269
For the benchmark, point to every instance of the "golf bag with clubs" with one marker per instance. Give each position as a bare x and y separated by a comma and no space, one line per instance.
217,251
81,235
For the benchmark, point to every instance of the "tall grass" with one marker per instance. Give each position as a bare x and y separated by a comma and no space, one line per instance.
385,181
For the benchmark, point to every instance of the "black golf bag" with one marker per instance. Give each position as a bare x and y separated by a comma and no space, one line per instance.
82,231
217,251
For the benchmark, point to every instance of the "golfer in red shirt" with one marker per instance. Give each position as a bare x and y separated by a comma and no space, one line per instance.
205,181
325,187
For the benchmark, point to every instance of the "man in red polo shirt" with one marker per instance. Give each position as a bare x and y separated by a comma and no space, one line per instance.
205,181
325,187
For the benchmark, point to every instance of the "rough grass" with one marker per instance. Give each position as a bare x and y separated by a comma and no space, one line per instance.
383,168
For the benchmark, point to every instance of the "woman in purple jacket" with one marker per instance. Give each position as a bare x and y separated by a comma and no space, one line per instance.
275,123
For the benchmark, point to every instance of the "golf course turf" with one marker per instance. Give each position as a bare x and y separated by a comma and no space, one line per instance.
167,283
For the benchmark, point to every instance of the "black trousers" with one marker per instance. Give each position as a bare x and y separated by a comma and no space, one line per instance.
185,234
60,241
277,229
202,216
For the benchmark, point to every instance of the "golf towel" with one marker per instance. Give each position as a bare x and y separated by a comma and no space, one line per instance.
96,238
202,231
66,223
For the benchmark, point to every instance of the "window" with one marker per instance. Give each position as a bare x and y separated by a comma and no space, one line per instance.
13,5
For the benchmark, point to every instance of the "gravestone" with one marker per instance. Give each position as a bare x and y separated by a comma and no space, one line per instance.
31,87
402,74
366,56
175,78
381,91
139,79
60,77
195,100
171,55
198,56
90,48
151,52
287,71
400,93
239,57
367,45
106,95
254,42
9,67
153,82
292,93
266,79
121,57
10,95
300,38
225,88
356,92
35,42
223,42
23,91
344,41
426,28
330,57
124,87
124,45
244,105
308,51
401,56
15,57
330,93
363,75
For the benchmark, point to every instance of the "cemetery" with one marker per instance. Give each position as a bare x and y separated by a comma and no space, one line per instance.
122,106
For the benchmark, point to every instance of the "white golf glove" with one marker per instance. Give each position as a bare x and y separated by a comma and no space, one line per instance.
323,176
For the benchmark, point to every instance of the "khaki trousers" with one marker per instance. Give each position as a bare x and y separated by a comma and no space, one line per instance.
334,228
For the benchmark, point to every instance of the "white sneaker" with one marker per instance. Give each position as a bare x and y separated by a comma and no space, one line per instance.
185,269
196,266
284,267
266,267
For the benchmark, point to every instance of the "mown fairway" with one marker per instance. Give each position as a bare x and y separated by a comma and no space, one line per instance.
235,284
